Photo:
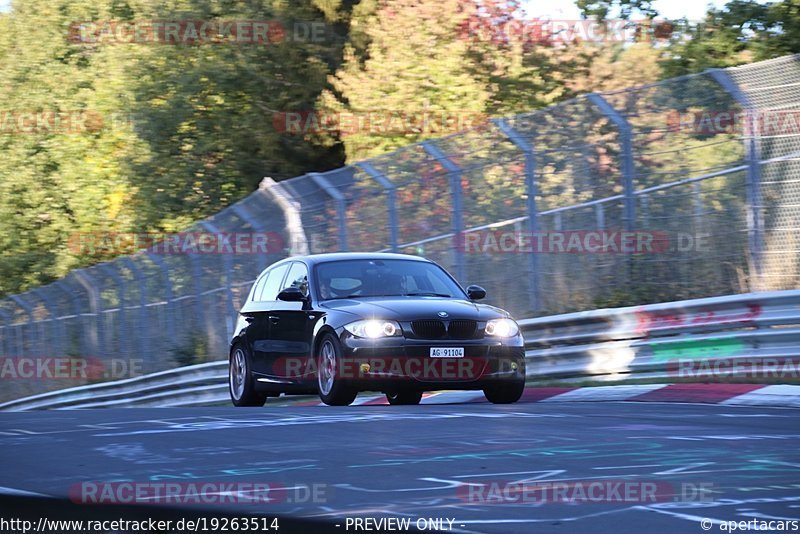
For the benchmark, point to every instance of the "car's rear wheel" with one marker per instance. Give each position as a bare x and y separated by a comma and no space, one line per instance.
403,397
332,389
240,380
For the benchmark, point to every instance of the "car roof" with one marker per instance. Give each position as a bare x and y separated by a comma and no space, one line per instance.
313,259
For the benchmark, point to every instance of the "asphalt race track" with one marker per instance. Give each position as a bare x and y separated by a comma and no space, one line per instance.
717,462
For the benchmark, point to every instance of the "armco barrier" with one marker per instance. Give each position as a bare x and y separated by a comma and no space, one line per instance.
203,383
657,340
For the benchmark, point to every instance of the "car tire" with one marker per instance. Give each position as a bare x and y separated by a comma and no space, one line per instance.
333,391
400,398
241,385
506,392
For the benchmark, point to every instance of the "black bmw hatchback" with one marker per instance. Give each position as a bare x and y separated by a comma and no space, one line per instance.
338,324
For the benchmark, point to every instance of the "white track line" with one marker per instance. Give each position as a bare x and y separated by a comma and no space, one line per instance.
775,395
14,491
608,393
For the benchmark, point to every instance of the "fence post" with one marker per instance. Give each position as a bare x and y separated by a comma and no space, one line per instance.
5,340
257,225
698,203
57,326
83,346
645,211
341,206
454,171
22,303
200,310
533,215
391,200
144,334
755,219
97,342
627,163
172,311
227,265
121,287
600,216
298,242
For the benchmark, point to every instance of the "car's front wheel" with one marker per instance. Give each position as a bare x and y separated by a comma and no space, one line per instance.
506,392
240,380
332,389
403,397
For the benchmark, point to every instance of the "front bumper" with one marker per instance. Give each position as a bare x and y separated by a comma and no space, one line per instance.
394,363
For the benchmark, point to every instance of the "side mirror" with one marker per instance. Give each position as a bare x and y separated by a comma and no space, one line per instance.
291,294
476,292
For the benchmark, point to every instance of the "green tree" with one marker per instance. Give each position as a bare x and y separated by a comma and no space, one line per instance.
626,9
457,56
175,132
209,113
740,32
414,63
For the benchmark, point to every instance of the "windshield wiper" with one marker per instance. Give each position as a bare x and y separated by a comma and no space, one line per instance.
354,296
417,294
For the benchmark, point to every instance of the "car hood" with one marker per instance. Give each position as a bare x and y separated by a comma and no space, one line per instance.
411,308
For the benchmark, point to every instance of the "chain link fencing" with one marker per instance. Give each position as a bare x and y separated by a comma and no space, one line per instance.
680,189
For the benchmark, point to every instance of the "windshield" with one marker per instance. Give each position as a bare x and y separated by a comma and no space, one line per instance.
381,278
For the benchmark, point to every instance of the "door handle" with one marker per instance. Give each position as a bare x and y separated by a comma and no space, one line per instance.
274,318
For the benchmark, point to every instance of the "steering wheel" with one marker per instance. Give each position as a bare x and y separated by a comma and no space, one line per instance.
344,292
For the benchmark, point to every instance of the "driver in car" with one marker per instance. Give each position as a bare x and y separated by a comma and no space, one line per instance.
325,289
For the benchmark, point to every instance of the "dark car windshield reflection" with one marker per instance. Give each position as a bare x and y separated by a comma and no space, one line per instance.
363,278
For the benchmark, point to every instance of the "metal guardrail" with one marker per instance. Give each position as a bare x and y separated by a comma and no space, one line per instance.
676,339
652,341
204,383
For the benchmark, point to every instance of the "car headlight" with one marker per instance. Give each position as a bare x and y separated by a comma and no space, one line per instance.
502,328
374,328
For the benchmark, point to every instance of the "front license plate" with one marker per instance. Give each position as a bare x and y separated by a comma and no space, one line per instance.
447,352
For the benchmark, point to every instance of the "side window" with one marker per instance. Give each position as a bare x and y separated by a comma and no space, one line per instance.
259,285
273,283
298,277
